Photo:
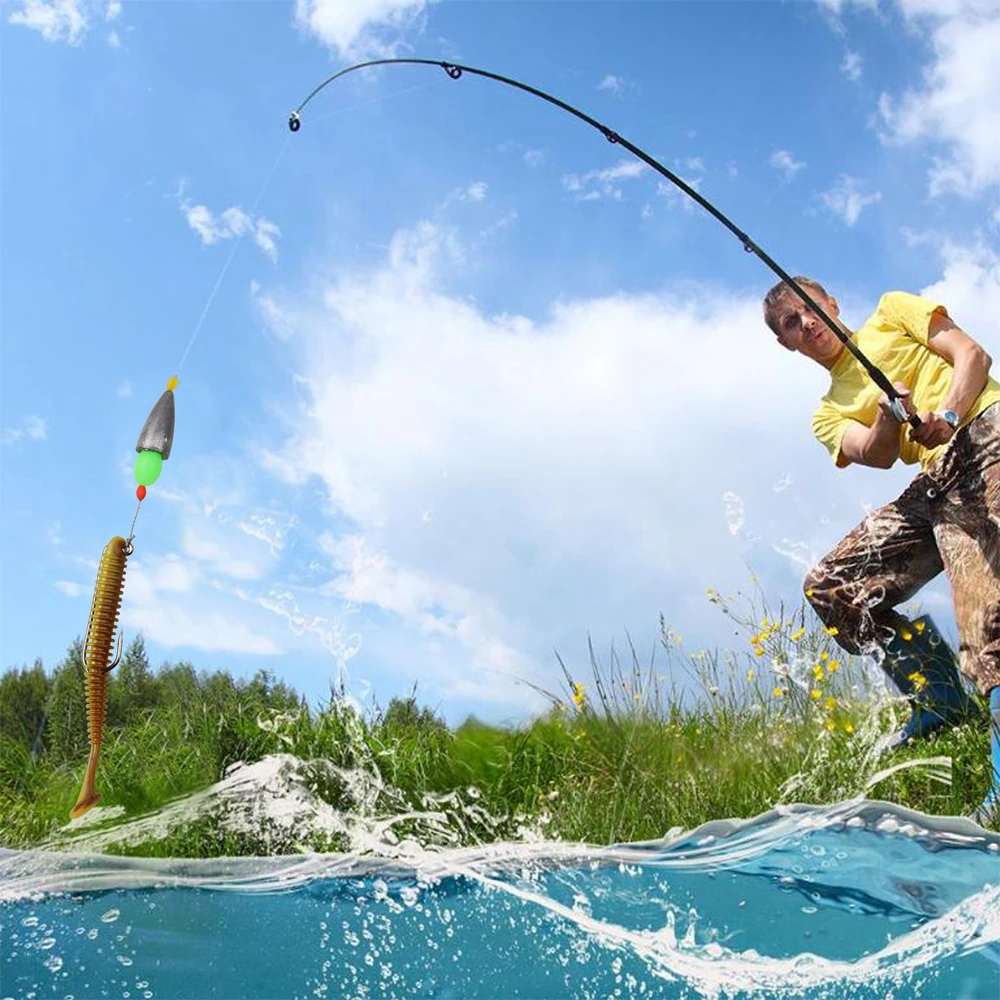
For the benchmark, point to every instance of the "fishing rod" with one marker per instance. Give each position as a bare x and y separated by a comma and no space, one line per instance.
455,70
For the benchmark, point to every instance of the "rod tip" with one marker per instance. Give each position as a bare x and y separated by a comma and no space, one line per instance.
294,122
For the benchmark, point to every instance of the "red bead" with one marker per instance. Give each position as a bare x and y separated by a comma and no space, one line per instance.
141,492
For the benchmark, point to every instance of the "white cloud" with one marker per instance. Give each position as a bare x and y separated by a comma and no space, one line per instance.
847,200
617,85
958,105
851,66
533,157
33,427
786,163
65,20
358,28
125,390
71,589
278,321
57,20
969,287
597,183
232,222
549,452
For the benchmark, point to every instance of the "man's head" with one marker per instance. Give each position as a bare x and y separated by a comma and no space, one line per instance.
797,327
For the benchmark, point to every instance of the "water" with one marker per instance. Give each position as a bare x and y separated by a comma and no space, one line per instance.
857,900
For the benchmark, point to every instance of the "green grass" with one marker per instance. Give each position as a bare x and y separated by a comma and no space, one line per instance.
620,756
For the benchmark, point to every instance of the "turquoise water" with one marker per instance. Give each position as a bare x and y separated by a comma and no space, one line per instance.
861,900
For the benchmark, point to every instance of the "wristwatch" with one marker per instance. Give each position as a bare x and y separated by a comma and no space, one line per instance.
950,417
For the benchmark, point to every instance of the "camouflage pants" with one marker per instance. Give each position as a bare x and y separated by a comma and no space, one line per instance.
947,518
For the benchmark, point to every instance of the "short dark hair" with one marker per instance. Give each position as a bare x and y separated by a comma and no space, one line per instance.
781,291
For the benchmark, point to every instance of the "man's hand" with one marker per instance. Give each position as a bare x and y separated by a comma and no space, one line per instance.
934,430
885,405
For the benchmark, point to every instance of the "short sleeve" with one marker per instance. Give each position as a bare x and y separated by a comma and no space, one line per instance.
830,426
911,313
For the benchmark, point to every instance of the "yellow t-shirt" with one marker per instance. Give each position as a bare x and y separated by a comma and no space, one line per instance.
894,339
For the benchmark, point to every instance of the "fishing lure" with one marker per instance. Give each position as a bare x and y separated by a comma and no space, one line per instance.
153,446
454,70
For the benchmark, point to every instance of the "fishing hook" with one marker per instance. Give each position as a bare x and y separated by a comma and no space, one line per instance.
455,71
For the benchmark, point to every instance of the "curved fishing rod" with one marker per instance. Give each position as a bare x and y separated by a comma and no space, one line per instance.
455,70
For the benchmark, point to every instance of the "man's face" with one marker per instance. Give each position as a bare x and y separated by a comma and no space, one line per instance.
800,329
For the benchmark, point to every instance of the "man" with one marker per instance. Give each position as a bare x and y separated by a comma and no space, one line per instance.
947,518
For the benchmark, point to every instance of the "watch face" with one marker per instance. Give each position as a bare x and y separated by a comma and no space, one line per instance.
951,416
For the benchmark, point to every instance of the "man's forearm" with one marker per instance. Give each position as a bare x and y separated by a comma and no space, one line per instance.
881,449
969,376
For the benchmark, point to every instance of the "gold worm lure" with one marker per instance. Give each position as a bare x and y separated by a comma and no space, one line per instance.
97,648
153,447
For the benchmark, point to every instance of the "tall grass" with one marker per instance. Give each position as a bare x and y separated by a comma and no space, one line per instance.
620,755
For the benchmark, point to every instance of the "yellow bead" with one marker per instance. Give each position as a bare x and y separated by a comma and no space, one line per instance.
172,383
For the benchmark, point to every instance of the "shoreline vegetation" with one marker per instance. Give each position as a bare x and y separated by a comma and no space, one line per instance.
619,756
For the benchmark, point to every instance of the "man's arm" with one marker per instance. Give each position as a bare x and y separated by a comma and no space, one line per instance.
970,362
878,445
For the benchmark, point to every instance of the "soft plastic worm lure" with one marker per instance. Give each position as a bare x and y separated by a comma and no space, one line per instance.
153,447
97,648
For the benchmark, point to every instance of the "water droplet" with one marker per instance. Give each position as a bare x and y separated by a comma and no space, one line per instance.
125,960
111,916
29,922
809,909
92,933
54,964
47,943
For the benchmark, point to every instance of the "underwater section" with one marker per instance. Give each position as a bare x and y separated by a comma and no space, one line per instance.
857,900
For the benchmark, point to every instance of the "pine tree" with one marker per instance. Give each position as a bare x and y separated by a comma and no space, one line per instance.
133,687
66,710
23,695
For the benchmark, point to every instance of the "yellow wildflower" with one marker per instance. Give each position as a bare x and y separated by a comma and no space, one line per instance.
918,679
906,634
798,635
809,592
832,666
831,702
750,674
830,724
758,650
817,694
824,656
920,626
848,728
778,692
818,671
578,695
833,630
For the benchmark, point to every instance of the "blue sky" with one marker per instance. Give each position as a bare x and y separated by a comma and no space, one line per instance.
474,386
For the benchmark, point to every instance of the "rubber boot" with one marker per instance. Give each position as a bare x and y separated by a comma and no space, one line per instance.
924,668
989,809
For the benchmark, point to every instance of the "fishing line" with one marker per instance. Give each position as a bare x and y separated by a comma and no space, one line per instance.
153,447
232,254
455,71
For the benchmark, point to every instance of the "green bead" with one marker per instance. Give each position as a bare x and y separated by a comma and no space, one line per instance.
147,467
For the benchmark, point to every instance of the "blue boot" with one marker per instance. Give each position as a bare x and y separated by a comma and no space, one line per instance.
989,810
924,668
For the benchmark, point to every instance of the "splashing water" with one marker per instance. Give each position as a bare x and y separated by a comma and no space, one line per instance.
857,900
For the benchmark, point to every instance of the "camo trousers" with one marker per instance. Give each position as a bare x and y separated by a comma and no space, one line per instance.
947,518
